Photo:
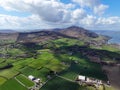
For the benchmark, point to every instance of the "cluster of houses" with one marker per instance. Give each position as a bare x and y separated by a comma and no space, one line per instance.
89,81
36,80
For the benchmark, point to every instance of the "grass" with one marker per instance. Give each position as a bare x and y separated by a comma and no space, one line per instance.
41,60
110,48
22,63
15,51
7,41
29,71
48,60
67,42
83,67
55,65
12,84
109,88
8,73
41,73
1,60
61,84
2,80
23,79
2,65
88,69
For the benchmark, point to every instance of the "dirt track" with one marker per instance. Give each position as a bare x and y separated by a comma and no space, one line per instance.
113,73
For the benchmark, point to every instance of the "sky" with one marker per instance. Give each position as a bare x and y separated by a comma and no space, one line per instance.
46,14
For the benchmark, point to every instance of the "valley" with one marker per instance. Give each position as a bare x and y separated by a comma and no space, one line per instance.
56,58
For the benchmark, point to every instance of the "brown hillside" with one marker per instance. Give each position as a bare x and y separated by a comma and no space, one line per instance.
78,32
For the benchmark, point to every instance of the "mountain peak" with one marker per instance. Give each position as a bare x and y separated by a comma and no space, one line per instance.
78,32
75,27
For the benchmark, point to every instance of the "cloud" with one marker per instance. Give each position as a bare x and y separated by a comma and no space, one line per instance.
108,21
100,9
55,14
89,21
49,10
30,22
94,5
102,23
8,21
87,3
78,14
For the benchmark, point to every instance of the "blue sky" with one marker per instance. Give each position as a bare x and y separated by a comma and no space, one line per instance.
39,14
13,13
114,6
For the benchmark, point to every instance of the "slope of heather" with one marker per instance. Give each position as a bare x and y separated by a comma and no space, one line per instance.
40,36
78,32
45,35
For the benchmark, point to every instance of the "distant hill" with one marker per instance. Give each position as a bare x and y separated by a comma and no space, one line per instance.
8,35
51,34
114,35
47,34
78,32
7,31
40,36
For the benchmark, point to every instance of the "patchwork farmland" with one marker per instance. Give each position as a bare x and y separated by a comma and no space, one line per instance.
47,61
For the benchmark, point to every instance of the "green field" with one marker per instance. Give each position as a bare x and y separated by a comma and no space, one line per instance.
89,69
23,79
41,73
53,56
83,67
48,60
12,84
61,84
67,42
14,51
8,73
2,80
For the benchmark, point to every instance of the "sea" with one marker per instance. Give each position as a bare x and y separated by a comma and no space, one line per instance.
115,35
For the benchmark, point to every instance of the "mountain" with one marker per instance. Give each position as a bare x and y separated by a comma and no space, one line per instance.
8,37
78,32
7,31
40,36
45,35
23,55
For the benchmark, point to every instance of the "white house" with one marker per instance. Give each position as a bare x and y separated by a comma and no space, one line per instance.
82,78
37,80
31,77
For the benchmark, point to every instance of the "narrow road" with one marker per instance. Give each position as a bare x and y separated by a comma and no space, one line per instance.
65,78
45,83
20,82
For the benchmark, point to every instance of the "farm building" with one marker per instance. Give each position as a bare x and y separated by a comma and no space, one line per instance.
37,80
31,77
81,78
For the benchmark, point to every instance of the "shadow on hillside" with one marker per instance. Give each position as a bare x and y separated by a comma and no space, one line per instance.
84,50
88,68
30,49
